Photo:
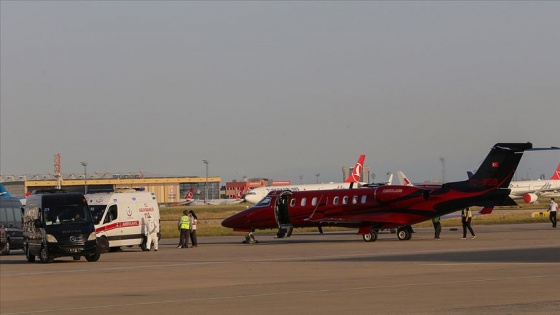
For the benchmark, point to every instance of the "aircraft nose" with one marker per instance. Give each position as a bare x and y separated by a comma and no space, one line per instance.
231,222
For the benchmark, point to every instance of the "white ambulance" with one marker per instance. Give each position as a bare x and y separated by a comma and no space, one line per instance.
120,216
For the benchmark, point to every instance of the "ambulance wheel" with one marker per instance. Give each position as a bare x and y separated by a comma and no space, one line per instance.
370,237
76,257
103,244
44,256
30,258
94,257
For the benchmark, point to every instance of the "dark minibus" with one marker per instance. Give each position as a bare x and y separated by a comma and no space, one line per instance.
56,225
11,235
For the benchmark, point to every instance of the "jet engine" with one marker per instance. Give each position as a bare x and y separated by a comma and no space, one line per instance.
530,198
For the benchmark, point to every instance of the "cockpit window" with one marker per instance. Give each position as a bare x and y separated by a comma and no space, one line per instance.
264,202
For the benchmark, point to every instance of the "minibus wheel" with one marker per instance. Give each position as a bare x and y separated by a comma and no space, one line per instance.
44,255
94,257
6,249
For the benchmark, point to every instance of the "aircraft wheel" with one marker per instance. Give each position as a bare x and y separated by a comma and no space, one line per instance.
250,239
403,234
76,257
370,237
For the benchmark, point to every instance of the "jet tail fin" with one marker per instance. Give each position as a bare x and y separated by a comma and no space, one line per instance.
190,194
4,192
403,179
556,175
496,171
354,177
389,179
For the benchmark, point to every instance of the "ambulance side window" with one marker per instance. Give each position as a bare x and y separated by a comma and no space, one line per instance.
111,214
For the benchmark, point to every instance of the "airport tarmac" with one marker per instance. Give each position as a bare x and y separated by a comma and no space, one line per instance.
507,269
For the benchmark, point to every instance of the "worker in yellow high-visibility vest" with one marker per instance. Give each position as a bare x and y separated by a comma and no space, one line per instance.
184,227
466,217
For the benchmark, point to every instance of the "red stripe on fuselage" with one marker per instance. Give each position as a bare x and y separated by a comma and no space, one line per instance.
117,225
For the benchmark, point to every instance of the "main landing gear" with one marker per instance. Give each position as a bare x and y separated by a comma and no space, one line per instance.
404,233
371,236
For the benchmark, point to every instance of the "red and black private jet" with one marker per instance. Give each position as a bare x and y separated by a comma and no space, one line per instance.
371,208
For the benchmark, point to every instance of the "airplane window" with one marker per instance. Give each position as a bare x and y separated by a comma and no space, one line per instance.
314,201
345,200
303,202
364,198
335,200
292,203
354,200
264,202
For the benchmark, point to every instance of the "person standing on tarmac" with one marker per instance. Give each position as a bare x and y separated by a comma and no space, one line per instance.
552,208
466,217
437,227
151,230
194,220
184,226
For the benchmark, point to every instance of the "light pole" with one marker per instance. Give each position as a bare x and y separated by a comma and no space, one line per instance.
84,164
206,183
442,169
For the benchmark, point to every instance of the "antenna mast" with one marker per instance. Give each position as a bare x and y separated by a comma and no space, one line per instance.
57,171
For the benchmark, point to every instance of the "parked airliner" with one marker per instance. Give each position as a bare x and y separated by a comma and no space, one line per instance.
256,194
530,190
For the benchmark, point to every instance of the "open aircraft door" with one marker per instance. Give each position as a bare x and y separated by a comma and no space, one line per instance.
282,216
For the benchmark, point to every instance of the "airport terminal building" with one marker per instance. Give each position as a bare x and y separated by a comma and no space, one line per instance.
168,190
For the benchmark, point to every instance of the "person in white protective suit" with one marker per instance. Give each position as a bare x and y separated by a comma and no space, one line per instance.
151,231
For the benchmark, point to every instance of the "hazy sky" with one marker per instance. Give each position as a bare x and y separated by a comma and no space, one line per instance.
277,89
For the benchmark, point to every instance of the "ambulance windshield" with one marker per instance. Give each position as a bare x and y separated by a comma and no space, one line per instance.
97,213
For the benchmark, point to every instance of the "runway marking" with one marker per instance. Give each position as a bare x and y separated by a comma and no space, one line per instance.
282,293
113,268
